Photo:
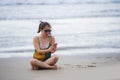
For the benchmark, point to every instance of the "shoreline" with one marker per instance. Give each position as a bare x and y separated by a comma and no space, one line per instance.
70,52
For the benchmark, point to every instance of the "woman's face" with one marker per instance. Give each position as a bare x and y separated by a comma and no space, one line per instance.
46,31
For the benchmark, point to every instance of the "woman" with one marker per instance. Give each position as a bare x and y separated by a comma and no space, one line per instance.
44,45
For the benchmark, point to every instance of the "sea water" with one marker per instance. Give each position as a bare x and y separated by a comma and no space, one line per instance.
79,26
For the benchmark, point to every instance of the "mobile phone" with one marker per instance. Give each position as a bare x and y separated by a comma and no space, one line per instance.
55,44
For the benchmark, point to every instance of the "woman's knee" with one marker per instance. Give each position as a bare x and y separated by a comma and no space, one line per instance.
55,57
32,61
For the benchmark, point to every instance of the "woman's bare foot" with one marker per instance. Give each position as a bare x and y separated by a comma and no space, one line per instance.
54,67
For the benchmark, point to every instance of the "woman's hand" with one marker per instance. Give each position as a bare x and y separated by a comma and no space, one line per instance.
53,48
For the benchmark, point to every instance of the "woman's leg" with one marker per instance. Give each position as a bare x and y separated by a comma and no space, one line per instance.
34,67
36,64
52,61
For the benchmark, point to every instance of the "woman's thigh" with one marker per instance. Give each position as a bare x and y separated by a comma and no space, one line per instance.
52,61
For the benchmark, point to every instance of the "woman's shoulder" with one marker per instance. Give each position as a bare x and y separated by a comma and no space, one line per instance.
52,37
36,38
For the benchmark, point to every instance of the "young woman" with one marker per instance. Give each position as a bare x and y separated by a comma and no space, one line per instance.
44,45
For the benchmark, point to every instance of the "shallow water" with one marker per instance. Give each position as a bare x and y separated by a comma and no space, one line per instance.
79,36
89,28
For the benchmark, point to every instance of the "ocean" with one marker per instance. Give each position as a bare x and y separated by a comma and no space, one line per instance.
79,26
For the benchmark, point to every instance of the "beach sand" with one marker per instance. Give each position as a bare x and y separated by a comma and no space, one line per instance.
69,68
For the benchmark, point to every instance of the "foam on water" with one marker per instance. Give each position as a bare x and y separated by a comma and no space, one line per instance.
79,26
78,36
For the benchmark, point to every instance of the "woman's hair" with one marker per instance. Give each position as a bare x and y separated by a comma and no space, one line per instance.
42,25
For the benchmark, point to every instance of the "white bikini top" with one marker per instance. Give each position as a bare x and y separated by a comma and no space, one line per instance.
44,46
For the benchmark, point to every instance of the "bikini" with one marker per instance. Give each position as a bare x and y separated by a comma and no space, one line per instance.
42,56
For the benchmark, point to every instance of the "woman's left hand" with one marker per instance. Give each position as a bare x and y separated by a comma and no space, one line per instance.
54,47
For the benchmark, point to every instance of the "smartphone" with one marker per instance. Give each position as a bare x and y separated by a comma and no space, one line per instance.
55,44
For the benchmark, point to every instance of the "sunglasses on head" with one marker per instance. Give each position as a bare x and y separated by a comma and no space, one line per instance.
47,30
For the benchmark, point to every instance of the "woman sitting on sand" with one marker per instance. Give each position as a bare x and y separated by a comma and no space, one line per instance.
44,46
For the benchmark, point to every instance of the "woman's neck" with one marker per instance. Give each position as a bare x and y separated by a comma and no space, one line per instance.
43,36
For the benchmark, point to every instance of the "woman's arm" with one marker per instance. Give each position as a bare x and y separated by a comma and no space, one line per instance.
53,44
36,46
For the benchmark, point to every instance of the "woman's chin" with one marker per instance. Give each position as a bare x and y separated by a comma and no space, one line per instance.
48,34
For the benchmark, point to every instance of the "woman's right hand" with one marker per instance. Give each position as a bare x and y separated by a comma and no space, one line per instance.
53,48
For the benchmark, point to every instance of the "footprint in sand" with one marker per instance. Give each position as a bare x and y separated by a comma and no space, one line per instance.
68,65
91,66
80,66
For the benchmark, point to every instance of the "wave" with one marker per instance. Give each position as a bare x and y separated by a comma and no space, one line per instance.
62,48
56,17
55,2
41,12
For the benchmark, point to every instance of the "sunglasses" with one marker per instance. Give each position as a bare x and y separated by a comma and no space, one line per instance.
47,30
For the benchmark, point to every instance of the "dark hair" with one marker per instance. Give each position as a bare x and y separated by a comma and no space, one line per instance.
42,25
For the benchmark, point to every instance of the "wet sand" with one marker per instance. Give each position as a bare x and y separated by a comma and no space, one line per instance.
80,67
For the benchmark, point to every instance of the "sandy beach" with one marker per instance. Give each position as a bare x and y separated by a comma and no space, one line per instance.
87,33
80,67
